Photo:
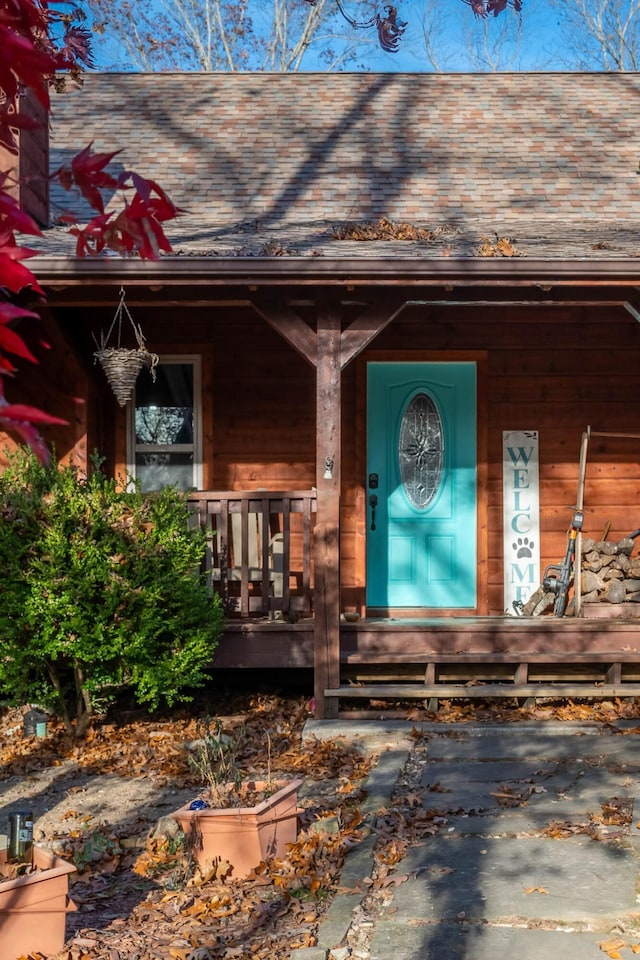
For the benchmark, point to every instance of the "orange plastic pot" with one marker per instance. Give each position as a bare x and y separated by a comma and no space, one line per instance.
33,909
244,836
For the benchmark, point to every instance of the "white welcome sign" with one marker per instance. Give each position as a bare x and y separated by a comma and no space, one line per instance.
521,516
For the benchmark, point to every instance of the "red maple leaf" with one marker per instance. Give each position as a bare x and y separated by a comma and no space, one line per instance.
88,174
10,340
137,228
76,47
91,239
23,63
30,58
13,275
12,218
23,413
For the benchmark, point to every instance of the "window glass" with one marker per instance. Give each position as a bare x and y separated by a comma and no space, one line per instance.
421,450
157,470
164,409
164,429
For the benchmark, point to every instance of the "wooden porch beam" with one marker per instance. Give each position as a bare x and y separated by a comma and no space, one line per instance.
357,336
633,308
327,533
291,327
367,326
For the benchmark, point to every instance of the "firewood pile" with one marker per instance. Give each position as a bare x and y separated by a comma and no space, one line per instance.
609,573
609,585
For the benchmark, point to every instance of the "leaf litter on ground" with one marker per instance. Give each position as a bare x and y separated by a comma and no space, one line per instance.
143,896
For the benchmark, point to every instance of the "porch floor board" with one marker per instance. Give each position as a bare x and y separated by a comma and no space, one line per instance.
458,654
489,635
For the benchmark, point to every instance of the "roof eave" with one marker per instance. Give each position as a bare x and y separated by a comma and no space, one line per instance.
56,271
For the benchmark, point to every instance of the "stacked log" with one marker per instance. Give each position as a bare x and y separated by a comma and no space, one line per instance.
609,584
610,575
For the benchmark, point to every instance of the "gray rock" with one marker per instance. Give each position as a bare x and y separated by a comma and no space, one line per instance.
166,827
606,547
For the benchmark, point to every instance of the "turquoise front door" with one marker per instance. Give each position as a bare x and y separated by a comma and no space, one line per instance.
421,485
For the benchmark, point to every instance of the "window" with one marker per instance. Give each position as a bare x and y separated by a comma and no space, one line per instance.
421,450
164,429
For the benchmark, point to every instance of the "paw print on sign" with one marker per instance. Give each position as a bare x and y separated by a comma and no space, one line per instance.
523,547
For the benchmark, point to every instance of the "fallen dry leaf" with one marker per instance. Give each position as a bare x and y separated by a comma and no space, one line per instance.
508,797
612,947
277,909
381,229
617,810
396,879
502,247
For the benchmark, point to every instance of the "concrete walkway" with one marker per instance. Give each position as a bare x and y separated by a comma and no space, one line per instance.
522,843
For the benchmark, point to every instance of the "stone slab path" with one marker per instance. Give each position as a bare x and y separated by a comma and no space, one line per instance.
537,854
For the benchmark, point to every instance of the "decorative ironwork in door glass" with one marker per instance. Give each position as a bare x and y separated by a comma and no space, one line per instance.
421,450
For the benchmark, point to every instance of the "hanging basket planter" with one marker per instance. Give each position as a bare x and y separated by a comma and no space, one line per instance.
121,368
122,365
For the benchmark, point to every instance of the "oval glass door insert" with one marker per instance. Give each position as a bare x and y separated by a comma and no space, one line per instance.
421,450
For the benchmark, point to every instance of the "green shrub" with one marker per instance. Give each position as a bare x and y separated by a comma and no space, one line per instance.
99,589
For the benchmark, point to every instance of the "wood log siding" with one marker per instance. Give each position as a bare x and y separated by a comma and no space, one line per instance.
555,369
241,563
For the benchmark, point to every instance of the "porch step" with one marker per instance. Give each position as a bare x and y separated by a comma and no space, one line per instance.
525,674
439,691
476,670
513,656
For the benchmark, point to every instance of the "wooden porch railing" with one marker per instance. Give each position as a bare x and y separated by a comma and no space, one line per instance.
259,549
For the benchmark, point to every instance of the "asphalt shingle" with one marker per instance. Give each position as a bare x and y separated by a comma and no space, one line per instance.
551,160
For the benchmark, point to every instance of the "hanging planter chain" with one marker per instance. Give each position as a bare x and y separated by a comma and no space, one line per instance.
122,365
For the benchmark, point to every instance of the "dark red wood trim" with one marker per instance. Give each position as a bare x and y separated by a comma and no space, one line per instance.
367,326
291,327
328,476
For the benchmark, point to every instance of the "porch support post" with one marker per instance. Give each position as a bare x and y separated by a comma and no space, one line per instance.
330,350
327,539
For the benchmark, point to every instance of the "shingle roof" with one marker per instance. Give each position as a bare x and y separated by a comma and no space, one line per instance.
549,160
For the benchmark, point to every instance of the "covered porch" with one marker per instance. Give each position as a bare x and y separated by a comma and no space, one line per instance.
285,366
269,598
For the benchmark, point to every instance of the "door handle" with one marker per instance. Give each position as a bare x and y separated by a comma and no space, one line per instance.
373,503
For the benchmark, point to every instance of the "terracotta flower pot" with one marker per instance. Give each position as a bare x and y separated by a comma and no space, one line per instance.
33,908
244,836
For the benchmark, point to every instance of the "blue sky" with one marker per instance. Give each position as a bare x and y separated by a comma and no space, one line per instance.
535,41
540,46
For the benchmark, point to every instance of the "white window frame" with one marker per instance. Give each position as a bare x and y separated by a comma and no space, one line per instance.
132,448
